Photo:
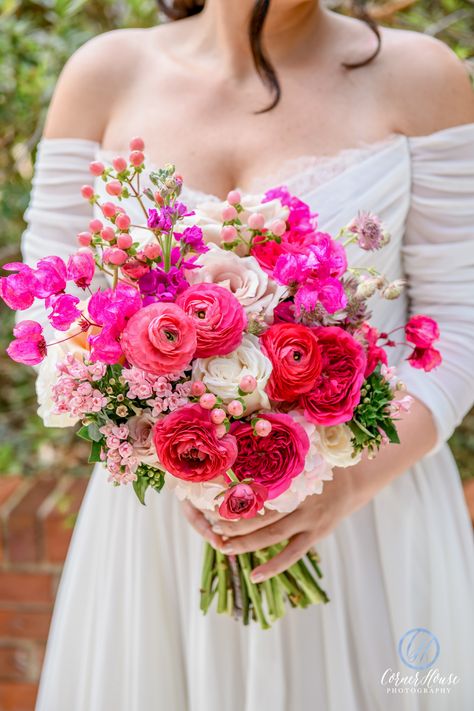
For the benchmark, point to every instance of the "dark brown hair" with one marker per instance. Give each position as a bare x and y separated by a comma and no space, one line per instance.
179,9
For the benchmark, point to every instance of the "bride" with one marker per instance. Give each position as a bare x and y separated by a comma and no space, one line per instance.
254,93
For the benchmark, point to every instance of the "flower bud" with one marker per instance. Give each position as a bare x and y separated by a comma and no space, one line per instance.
248,384
393,290
218,415
124,241
278,227
96,168
228,233
123,222
263,428
366,288
198,388
152,251
120,164
87,192
95,225
109,209
84,238
233,197
114,187
108,234
229,213
137,158
137,144
207,401
235,408
256,221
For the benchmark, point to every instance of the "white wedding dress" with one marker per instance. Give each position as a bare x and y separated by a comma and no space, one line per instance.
127,633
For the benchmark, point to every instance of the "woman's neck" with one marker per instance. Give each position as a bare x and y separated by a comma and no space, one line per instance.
224,26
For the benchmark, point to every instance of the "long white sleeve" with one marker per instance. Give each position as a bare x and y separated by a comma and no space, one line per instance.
438,258
57,211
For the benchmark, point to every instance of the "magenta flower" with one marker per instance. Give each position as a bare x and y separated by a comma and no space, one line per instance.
29,346
291,269
425,358
422,331
18,290
51,277
105,347
111,309
328,292
81,268
64,310
192,237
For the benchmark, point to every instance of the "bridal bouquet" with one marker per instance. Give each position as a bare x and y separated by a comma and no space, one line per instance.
232,357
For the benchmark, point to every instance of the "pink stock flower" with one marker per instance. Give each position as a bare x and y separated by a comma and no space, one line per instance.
29,346
18,290
425,358
218,317
242,501
64,310
337,391
81,268
188,447
272,461
160,338
422,331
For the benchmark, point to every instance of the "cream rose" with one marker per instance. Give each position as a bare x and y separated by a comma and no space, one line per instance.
222,374
335,445
202,495
242,276
141,434
317,470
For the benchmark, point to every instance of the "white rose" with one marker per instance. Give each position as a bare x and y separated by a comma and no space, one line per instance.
335,445
201,495
141,434
208,215
316,471
242,276
222,374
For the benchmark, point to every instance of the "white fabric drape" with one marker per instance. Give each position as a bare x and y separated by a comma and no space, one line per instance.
127,634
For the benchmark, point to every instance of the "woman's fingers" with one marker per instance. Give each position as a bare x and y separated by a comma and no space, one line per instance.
246,525
266,536
201,525
296,549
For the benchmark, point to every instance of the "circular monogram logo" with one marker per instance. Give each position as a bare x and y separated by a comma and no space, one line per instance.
418,648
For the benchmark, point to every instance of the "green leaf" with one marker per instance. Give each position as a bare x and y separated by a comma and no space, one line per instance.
96,449
93,431
140,486
83,433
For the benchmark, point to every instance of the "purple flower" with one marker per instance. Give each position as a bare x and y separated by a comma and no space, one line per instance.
369,231
64,310
159,285
193,238
159,219
29,346
81,268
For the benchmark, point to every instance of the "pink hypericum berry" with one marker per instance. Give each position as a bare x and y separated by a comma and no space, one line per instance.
120,164
95,225
87,191
137,158
109,209
218,415
198,388
117,256
158,198
114,187
124,241
137,144
152,251
96,167
221,430
84,238
263,428
235,408
123,222
278,227
256,221
207,401
234,197
107,234
228,233
248,384
229,213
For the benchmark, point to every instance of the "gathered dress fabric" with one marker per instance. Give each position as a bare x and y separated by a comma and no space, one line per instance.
127,633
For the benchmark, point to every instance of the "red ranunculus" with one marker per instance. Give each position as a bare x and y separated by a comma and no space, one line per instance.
337,390
296,359
271,461
160,338
242,501
422,331
188,447
218,317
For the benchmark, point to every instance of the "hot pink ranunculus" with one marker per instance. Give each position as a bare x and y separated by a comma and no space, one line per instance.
160,339
188,447
242,501
272,461
219,318
337,391
422,331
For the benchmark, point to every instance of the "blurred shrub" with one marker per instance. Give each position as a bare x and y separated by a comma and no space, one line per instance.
36,38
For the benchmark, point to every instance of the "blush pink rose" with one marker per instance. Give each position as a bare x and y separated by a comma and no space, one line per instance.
188,447
159,339
271,461
336,393
242,501
218,317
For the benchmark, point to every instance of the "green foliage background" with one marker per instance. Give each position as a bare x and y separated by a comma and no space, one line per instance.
36,38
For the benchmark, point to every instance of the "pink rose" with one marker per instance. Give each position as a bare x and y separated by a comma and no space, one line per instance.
219,318
242,501
422,331
272,461
337,391
188,447
160,339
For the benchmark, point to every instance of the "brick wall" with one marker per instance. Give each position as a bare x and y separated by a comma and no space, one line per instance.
36,519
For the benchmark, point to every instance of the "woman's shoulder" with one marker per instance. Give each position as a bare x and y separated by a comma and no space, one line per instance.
425,83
